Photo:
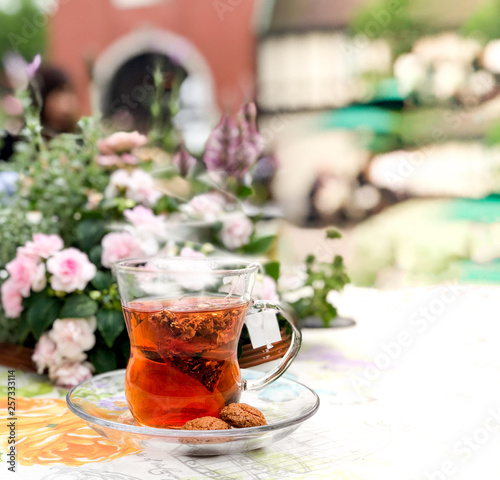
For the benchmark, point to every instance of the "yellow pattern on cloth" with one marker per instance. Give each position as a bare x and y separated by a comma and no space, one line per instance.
48,433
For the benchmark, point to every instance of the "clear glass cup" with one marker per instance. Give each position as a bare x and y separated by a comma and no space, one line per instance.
184,317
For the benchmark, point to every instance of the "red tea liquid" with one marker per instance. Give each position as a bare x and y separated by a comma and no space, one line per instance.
183,362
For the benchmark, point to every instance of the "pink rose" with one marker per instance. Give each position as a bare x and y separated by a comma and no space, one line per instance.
145,218
12,106
23,271
141,188
119,245
73,336
45,354
121,142
107,160
208,206
129,159
236,230
42,246
71,270
12,301
265,289
189,252
69,374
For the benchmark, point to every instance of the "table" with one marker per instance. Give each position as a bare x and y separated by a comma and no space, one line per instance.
412,391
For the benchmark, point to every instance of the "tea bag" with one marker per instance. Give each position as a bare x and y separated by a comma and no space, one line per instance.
206,371
263,328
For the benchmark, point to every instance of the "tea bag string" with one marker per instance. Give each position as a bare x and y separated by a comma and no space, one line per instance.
236,282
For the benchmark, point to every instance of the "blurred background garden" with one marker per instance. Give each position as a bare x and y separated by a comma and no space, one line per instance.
380,118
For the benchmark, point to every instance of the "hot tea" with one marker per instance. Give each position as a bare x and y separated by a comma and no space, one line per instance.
183,362
184,318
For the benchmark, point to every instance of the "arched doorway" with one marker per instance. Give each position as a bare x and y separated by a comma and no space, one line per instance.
123,85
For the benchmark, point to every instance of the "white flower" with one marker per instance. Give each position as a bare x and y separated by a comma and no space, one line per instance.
409,71
34,217
141,188
491,56
208,206
448,79
73,336
39,281
45,354
118,182
138,186
69,374
236,230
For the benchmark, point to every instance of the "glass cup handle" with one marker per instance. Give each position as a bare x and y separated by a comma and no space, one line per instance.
291,353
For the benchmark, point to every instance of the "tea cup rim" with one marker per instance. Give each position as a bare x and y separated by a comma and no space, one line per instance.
132,264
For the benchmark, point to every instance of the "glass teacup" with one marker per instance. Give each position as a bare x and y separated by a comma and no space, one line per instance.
184,318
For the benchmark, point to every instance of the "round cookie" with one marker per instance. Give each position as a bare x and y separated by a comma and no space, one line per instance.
205,423
241,415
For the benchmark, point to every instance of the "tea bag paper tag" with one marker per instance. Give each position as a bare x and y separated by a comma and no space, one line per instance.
263,328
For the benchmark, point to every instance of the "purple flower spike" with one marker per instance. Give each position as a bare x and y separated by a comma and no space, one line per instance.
32,67
234,145
183,161
245,153
219,150
248,113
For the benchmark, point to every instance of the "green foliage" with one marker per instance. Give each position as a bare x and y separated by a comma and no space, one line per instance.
41,311
322,277
102,280
21,30
260,245
273,270
103,360
110,324
89,232
332,233
79,306
483,23
65,171
393,20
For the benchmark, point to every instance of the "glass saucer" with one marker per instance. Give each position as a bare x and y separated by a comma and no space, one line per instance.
100,402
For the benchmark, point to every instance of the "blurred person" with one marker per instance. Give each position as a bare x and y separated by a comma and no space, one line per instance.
60,107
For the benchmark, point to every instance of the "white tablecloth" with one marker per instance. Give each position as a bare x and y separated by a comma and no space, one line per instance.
411,392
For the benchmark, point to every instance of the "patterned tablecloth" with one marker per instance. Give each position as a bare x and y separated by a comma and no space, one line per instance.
411,392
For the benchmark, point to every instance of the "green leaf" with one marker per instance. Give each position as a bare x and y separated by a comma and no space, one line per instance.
78,306
102,280
43,310
244,191
104,360
22,328
333,233
261,245
166,204
89,233
95,255
273,270
338,262
110,324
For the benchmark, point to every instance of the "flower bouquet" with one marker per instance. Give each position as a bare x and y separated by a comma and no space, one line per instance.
83,201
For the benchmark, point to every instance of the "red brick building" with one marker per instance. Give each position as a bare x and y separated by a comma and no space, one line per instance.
213,39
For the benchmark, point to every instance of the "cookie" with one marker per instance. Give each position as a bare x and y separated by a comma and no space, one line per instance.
205,423
241,415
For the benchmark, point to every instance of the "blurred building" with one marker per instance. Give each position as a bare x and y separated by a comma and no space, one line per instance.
109,48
